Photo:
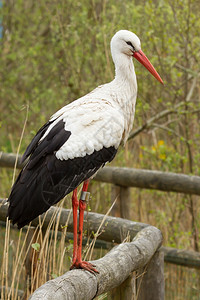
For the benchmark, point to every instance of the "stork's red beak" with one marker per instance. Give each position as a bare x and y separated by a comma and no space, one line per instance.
141,57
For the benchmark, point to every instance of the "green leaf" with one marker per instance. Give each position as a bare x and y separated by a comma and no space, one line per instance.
36,247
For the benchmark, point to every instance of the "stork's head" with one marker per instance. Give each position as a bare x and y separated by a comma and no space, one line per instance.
127,43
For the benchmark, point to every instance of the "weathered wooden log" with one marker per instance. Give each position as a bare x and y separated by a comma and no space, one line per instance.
129,177
113,269
190,259
169,182
7,160
113,229
116,230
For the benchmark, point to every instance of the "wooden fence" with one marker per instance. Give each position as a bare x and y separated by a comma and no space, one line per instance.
122,179
114,232
129,177
115,268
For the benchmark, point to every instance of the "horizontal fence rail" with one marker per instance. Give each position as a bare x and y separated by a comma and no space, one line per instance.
190,259
113,231
129,177
7,160
156,180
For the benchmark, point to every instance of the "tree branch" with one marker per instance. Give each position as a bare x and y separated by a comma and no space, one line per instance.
155,118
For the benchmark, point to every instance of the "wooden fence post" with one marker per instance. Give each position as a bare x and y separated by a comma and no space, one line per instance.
151,285
122,205
124,291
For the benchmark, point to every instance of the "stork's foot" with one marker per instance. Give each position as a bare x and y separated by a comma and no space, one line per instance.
84,265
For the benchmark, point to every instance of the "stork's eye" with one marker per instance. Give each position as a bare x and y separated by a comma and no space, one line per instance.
130,44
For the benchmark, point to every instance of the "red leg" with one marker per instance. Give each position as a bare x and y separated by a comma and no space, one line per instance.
75,204
82,205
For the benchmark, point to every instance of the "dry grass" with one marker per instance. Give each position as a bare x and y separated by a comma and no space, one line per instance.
29,259
181,282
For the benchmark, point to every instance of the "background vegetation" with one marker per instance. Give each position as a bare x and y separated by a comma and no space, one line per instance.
53,52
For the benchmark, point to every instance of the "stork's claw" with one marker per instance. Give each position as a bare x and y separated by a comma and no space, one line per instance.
84,265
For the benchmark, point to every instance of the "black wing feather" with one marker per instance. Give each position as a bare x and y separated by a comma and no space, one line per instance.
45,179
35,141
52,142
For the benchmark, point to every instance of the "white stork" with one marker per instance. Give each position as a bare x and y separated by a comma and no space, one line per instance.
79,139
